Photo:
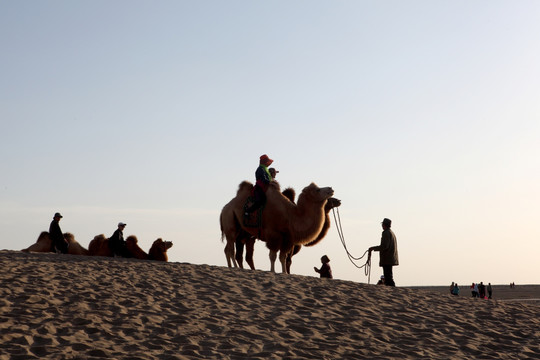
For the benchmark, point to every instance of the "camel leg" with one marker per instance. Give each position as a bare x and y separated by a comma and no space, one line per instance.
239,252
283,260
273,257
250,248
288,263
229,253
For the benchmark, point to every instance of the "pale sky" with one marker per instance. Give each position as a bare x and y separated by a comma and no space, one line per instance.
152,113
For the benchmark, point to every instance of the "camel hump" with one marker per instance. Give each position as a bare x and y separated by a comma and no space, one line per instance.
289,193
244,185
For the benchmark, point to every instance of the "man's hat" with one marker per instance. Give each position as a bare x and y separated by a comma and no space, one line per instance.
58,215
266,160
387,222
122,224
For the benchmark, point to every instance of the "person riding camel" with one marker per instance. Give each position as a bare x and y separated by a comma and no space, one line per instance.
263,179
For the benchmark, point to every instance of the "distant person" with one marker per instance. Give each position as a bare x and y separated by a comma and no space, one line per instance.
482,290
381,281
58,242
117,244
325,270
263,179
474,290
490,291
388,253
451,287
455,290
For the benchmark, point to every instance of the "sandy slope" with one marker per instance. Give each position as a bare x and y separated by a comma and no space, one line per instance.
74,307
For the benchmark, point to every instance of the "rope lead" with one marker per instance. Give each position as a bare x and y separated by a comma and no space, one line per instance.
367,265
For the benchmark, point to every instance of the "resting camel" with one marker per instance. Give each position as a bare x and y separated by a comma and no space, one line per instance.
284,224
99,246
158,251
44,244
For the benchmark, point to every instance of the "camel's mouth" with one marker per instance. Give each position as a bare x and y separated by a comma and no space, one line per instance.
335,202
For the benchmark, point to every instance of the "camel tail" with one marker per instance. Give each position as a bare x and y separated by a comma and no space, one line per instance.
221,226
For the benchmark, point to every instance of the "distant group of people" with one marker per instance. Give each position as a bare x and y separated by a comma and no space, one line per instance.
60,245
477,290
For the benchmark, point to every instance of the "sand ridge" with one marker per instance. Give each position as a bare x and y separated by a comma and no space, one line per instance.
76,307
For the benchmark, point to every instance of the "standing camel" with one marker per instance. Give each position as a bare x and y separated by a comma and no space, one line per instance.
284,224
245,239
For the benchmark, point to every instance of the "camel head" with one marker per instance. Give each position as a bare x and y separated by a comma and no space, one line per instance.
162,245
332,203
315,194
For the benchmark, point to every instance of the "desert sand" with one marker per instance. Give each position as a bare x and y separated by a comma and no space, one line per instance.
76,307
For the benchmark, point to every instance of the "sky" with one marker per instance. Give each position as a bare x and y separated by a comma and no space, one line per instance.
152,113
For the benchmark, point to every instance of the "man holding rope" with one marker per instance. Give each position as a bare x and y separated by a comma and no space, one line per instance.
388,252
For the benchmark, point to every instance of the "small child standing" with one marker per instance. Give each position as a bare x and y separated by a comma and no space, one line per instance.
325,270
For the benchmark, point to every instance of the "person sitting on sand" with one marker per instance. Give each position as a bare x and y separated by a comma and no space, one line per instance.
58,242
455,290
381,280
117,244
325,270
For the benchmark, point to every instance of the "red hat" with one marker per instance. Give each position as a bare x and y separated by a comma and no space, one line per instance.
264,159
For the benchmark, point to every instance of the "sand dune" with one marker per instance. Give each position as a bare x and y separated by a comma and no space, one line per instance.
76,307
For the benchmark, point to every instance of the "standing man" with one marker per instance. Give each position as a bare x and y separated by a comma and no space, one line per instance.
388,252
58,243
117,243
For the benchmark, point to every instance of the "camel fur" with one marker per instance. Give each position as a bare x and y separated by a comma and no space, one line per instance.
44,244
134,249
158,251
74,247
99,246
284,224
245,239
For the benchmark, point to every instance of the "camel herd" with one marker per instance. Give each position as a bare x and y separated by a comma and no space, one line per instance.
99,246
285,227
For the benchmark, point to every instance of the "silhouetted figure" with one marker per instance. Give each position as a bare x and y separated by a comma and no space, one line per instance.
117,244
325,270
388,253
58,242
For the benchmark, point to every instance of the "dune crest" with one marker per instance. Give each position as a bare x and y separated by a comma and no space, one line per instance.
69,306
